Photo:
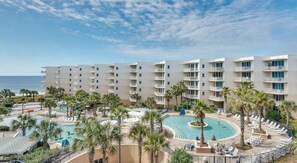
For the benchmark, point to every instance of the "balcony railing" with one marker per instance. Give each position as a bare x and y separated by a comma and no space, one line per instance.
132,99
243,68
110,90
191,96
75,83
57,77
275,68
216,69
160,102
159,70
215,88
92,71
111,77
133,70
241,79
92,77
215,98
158,93
132,92
276,91
133,85
216,78
190,78
159,86
159,78
92,90
133,77
191,70
110,84
275,79
195,87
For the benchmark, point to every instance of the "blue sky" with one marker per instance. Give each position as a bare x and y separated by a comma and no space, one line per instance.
37,33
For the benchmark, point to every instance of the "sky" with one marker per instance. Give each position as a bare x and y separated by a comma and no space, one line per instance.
38,33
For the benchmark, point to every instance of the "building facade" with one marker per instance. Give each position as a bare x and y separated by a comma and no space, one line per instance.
204,79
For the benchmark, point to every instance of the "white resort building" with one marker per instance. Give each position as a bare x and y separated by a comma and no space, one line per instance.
276,75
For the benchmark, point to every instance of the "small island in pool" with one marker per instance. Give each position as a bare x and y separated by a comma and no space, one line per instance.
197,124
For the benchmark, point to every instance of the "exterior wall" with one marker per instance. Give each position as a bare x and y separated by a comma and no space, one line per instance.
200,76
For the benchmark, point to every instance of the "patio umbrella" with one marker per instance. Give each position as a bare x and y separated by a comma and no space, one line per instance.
65,143
29,111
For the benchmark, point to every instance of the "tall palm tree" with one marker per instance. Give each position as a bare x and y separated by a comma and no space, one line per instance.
159,119
155,143
59,94
110,100
82,97
68,99
182,88
94,100
51,90
150,102
41,100
175,92
200,106
226,93
119,113
46,130
23,92
150,117
168,97
24,122
137,133
6,93
33,94
137,97
86,132
50,103
287,107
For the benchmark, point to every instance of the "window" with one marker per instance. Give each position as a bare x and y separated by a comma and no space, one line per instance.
139,82
139,67
278,74
117,75
203,84
117,68
168,83
97,74
80,75
69,90
70,74
203,75
79,80
69,85
97,68
168,75
70,69
139,75
117,88
97,81
203,93
80,86
139,89
69,79
168,66
97,87
117,81
279,86
80,69
203,66
219,84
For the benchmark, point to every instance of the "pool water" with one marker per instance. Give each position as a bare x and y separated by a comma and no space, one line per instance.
179,124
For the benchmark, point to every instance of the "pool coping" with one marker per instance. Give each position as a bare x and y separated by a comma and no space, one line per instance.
235,127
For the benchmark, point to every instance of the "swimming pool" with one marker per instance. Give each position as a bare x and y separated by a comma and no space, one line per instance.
179,124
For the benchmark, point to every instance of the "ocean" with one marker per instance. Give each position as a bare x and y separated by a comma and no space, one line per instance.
16,83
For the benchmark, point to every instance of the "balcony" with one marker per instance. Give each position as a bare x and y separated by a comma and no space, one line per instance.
91,90
132,99
159,70
75,77
111,84
216,79
278,103
92,83
216,69
92,71
133,70
57,77
133,85
242,79
132,92
159,78
160,102
275,68
239,69
92,77
191,96
111,77
192,87
191,70
158,93
75,83
43,72
110,90
275,80
159,86
133,77
276,91
215,88
215,98
191,78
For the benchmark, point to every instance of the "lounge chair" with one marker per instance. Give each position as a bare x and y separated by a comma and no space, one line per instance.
233,154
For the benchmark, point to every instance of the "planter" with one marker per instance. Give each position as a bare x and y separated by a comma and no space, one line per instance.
192,124
262,135
206,148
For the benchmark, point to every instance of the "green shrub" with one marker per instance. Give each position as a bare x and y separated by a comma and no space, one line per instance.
4,128
37,155
8,103
181,156
273,115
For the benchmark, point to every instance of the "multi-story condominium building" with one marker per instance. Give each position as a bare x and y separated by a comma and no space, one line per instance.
204,79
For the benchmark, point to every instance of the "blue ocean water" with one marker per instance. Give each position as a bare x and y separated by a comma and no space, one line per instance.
16,83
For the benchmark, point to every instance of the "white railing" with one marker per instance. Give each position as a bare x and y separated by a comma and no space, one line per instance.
215,88
110,90
215,98
91,90
216,78
243,68
190,78
275,68
75,83
159,78
57,77
92,83
132,92
216,68
158,93
92,77
276,91
191,69
160,102
159,70
133,85
240,79
191,96
159,86
132,99
111,77
110,84
133,70
92,71
275,79
192,86
133,77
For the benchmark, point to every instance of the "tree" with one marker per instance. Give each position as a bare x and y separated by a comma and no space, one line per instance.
68,99
23,92
50,103
94,100
168,97
150,117
287,107
155,142
175,92
243,97
33,94
226,93
24,122
139,132
150,102
119,113
110,100
56,93
200,106
6,93
83,98
182,88
87,132
137,97
3,111
51,90
46,130
180,156
41,100
159,119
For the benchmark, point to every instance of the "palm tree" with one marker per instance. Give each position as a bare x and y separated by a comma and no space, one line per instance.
87,132
59,94
41,100
3,111
119,113
137,97
200,106
159,119
82,97
51,90
94,100
68,99
155,143
150,102
50,103
23,92
168,97
33,94
226,93
150,117
46,130
137,133
287,107
293,147
6,93
110,100
24,121
180,155
175,92
182,89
